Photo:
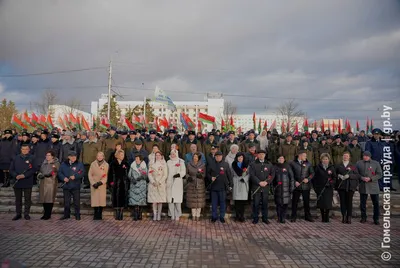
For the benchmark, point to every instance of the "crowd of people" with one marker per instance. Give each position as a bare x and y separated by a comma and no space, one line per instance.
142,167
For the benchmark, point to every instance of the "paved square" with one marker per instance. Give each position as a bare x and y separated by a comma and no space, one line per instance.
109,243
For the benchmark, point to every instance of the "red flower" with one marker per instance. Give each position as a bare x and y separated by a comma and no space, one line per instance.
151,171
221,172
30,166
373,173
329,172
104,175
177,165
112,183
269,177
284,170
245,169
279,183
123,166
265,169
53,173
80,171
200,170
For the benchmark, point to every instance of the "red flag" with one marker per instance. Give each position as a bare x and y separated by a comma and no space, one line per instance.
288,126
231,122
273,125
222,124
157,125
85,124
50,121
357,126
348,126
305,126
322,125
265,125
61,122
198,125
254,120
367,130
297,128
340,127
283,127
333,126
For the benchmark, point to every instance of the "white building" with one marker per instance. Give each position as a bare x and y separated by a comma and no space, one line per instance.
246,121
213,105
61,110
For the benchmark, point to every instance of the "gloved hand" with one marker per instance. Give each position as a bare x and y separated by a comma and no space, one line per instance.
242,180
40,176
95,186
190,179
176,175
345,177
229,190
340,176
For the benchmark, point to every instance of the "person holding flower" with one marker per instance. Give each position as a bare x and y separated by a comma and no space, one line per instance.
119,183
48,183
283,184
196,189
346,185
240,192
324,181
138,186
97,174
157,188
176,173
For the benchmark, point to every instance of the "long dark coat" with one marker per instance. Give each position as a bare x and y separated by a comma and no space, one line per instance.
119,183
283,183
351,184
324,179
196,189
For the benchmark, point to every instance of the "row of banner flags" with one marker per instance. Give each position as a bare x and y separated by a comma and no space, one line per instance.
70,121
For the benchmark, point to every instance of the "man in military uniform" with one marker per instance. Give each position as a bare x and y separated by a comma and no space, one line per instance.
244,146
55,144
273,149
111,141
226,145
8,151
322,149
68,144
89,151
129,144
261,175
337,149
171,139
138,150
207,145
303,173
288,149
355,150
151,140
191,140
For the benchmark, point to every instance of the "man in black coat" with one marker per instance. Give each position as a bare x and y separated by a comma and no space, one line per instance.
210,160
221,181
42,147
22,171
8,150
261,175
55,144
303,172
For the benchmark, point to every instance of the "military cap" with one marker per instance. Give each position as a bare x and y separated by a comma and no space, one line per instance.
55,136
191,132
211,134
251,131
45,132
152,131
214,146
138,142
25,134
132,132
261,151
376,131
301,152
72,153
171,131
337,136
218,153
113,128
68,133
124,132
314,131
36,136
289,135
231,132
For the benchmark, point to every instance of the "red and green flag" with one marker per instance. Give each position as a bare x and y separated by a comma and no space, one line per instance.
357,126
50,121
296,130
222,124
94,125
372,126
61,122
305,126
340,127
259,125
17,122
283,127
205,118
265,125
367,129
85,124
104,123
322,125
254,120
273,125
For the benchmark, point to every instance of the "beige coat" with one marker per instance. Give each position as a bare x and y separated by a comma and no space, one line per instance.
175,185
48,185
98,173
157,188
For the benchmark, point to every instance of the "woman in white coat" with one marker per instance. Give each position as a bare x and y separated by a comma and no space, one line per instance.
241,176
157,188
176,172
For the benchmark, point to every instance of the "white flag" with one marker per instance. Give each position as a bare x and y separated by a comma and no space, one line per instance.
161,97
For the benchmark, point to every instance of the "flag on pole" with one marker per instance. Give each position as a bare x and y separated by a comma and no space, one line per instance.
265,125
371,126
305,126
367,129
348,127
184,124
340,127
199,126
231,122
283,127
254,120
333,126
104,123
205,118
322,125
259,126
296,131
273,125
61,122
288,126
50,121
85,124
26,120
315,124
161,97
42,121
94,125
222,124
16,122
67,122
191,125
357,126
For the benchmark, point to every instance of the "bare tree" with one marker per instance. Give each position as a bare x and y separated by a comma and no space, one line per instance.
49,97
230,110
71,105
290,110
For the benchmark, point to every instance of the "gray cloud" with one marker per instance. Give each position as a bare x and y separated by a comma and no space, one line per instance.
310,50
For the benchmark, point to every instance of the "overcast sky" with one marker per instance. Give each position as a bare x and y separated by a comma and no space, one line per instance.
336,58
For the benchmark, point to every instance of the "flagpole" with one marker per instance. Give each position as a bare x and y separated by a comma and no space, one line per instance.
144,111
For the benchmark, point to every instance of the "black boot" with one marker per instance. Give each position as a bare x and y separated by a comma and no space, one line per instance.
6,180
117,212
140,217
343,219
96,213
121,215
44,211
135,214
322,215
100,213
326,215
348,220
